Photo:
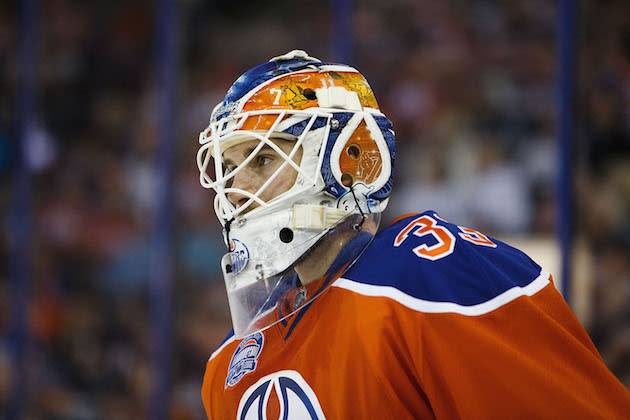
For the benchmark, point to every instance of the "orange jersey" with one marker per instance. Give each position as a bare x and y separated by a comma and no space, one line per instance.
433,321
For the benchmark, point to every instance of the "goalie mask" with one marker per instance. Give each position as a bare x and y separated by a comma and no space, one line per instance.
299,155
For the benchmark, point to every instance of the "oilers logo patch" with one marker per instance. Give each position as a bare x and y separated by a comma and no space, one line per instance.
282,395
245,358
239,255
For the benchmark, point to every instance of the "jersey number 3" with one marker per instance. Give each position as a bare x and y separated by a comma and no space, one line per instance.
445,240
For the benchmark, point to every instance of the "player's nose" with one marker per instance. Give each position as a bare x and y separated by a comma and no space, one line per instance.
241,182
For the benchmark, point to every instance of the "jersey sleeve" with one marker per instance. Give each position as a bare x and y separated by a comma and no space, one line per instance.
213,381
530,355
488,334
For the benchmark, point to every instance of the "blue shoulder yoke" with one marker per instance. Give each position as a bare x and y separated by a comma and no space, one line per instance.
470,275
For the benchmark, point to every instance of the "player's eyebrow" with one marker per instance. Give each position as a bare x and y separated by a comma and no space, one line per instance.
247,152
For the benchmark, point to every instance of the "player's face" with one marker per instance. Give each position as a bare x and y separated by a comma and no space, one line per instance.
259,169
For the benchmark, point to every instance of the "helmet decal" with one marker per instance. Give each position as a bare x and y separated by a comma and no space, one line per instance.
361,158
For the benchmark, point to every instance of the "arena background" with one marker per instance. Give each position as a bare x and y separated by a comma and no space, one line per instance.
101,103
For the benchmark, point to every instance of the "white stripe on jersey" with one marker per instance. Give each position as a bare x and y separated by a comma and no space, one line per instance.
222,346
428,306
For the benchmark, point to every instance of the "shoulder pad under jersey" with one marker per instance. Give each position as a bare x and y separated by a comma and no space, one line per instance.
226,341
430,259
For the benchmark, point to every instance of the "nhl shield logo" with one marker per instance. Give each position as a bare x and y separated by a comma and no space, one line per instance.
245,358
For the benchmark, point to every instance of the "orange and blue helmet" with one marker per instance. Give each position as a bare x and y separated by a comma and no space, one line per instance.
329,116
294,96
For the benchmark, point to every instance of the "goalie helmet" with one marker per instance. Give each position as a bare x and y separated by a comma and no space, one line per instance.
329,115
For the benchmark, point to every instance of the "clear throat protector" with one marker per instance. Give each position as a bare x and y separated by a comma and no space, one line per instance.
266,285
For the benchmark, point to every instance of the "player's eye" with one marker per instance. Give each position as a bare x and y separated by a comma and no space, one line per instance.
227,169
263,160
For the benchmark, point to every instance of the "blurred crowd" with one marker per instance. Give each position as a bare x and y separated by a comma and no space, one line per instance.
470,86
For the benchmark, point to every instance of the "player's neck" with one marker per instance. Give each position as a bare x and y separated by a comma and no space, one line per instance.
316,264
